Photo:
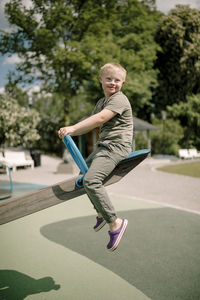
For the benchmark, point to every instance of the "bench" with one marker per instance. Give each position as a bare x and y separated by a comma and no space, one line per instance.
188,153
194,153
16,159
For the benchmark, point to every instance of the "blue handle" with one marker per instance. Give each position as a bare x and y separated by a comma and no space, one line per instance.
75,153
9,174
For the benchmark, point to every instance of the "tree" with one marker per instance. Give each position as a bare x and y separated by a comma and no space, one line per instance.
178,60
135,35
133,27
57,40
17,125
18,94
188,113
166,139
63,43
50,109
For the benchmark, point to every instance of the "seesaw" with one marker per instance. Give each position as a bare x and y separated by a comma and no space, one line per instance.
25,205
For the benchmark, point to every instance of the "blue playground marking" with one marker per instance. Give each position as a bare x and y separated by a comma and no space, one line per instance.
20,189
4,185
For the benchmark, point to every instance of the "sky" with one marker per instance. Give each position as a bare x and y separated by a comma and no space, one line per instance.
8,63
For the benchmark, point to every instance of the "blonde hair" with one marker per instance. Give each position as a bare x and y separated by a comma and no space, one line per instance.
113,65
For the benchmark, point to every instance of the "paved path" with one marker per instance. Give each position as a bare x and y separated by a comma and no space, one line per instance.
46,174
146,183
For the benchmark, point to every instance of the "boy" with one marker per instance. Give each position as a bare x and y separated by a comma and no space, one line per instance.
113,114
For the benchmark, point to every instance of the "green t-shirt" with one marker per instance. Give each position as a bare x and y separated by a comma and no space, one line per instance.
119,129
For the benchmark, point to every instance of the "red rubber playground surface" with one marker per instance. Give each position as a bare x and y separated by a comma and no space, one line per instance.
55,254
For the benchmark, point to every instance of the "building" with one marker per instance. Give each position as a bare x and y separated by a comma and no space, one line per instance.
140,125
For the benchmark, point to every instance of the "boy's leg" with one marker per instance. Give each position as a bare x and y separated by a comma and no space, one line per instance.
89,162
100,168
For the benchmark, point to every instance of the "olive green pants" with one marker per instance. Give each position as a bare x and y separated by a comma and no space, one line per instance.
101,163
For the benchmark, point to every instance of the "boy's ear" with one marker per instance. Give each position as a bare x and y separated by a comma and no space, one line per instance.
100,79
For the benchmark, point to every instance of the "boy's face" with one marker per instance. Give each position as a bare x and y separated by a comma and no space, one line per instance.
112,81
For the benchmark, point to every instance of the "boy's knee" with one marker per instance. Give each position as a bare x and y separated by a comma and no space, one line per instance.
86,181
91,182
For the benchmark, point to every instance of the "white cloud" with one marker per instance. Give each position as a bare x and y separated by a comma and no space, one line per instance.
165,6
13,59
27,3
2,90
3,21
34,89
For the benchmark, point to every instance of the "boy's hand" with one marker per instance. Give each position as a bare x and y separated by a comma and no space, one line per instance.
62,132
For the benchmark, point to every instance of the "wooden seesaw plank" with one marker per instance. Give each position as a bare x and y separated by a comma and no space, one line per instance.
13,209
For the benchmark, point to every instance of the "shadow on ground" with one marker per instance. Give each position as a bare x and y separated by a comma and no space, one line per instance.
159,254
16,285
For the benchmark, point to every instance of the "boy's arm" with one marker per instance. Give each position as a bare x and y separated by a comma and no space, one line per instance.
87,124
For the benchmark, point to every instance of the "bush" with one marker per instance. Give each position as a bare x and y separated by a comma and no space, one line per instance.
17,124
141,141
166,139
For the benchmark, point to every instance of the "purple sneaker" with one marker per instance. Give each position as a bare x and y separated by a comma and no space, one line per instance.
115,236
100,223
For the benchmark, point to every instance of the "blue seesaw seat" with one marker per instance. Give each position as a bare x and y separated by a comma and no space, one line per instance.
137,153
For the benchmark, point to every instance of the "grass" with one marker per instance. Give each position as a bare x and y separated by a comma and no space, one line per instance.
188,169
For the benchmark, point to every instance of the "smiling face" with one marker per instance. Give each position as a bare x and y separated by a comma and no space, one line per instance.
112,80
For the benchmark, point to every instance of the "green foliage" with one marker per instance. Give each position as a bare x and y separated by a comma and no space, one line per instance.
80,107
63,43
189,114
18,94
178,61
51,113
52,118
141,141
179,71
166,139
134,33
17,124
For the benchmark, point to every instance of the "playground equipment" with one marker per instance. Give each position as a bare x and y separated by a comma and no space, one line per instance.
66,190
